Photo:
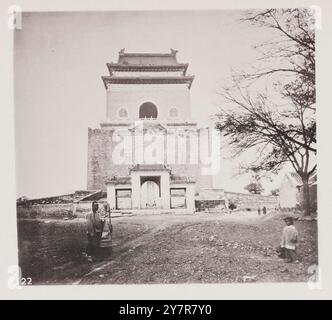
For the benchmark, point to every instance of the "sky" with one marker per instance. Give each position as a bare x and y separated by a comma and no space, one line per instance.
59,59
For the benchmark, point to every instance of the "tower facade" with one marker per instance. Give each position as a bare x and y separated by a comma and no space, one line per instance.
146,153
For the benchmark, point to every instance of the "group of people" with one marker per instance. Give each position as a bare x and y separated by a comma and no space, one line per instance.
263,209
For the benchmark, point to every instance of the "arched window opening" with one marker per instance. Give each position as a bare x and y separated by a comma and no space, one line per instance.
123,113
147,111
173,113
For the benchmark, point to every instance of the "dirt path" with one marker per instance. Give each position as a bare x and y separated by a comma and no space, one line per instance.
120,250
200,248
155,223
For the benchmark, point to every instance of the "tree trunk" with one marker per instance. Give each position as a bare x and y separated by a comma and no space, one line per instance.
306,196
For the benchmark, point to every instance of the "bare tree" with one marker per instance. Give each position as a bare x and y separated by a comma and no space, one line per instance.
282,131
292,49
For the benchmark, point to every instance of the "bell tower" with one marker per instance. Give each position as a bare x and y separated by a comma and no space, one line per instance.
147,105
147,85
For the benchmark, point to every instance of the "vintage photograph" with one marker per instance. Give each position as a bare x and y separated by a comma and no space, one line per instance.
166,147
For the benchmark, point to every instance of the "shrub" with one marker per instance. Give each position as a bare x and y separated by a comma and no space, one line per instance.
232,205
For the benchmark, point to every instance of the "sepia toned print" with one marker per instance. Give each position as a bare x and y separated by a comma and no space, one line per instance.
187,156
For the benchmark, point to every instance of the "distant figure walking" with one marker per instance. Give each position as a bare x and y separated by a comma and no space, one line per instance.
94,231
289,241
259,211
264,210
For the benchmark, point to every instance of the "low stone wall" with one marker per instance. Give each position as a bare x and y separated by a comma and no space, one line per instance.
251,202
59,210
54,210
81,208
242,201
210,205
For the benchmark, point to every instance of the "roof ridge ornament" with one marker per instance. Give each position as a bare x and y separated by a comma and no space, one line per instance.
174,52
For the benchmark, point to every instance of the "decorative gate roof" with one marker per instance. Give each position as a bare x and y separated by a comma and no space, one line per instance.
149,167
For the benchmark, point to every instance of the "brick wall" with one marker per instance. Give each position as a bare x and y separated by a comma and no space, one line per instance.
101,166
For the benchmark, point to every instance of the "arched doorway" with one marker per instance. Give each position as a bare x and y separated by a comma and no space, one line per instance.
148,110
150,195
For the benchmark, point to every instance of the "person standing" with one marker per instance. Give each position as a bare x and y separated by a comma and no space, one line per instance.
94,231
289,240
106,238
264,210
107,219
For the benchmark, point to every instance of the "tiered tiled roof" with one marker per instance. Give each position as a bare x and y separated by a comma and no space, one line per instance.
147,62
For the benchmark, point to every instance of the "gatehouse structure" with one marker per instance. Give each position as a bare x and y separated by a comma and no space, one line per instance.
147,153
